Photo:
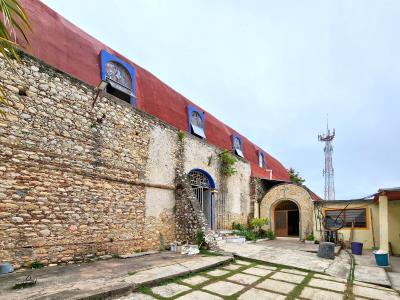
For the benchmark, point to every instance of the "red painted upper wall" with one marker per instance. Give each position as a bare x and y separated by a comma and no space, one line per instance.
61,44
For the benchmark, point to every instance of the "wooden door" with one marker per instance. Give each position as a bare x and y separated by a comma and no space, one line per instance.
281,223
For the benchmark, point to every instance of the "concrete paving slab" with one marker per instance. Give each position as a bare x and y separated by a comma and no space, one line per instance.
260,294
317,294
199,295
257,271
106,277
288,277
374,286
267,267
295,245
243,278
327,277
217,272
232,267
293,271
395,280
328,285
276,286
373,275
373,293
242,262
224,288
137,296
170,290
293,258
195,280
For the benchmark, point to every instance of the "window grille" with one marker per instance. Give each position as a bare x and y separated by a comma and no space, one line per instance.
346,218
198,179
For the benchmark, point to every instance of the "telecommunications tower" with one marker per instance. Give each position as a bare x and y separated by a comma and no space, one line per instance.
329,193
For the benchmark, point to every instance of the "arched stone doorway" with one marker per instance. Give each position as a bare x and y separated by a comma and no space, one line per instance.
287,219
288,197
203,186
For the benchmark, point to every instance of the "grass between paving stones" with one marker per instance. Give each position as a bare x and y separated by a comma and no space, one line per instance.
295,293
350,279
212,279
279,266
209,253
297,290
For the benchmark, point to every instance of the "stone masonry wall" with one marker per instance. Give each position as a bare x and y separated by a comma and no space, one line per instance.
78,181
73,179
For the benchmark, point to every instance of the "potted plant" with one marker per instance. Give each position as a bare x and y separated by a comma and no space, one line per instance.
310,239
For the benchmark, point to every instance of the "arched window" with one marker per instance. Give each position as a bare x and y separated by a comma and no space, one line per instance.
237,145
196,122
119,77
261,159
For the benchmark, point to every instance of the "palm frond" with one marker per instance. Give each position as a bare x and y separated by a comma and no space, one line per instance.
13,20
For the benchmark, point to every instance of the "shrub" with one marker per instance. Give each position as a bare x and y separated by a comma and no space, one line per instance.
270,234
257,223
310,237
37,264
238,226
249,235
200,239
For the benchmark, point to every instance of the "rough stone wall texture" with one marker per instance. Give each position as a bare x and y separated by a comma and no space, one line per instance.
295,193
236,188
78,182
73,183
238,192
189,216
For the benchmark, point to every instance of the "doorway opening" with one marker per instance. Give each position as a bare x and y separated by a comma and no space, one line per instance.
202,188
287,219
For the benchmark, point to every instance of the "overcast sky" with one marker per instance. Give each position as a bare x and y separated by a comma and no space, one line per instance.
273,70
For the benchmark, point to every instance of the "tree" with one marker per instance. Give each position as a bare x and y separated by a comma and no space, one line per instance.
295,177
13,21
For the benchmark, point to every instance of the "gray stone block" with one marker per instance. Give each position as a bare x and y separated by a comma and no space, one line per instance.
326,250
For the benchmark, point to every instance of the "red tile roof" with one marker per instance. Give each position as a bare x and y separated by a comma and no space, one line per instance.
63,45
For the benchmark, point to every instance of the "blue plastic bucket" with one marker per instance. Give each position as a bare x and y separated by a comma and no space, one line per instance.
382,260
356,248
6,268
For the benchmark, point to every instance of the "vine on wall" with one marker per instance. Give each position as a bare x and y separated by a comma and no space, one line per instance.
228,162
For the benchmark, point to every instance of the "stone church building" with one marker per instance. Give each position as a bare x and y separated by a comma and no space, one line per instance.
98,156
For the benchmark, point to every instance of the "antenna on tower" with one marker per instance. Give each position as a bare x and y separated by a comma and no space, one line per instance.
328,172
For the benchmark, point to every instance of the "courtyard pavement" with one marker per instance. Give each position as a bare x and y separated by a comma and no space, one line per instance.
271,252
250,280
367,271
101,279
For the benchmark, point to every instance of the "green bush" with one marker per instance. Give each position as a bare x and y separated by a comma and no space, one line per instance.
249,235
37,264
200,239
310,237
238,226
257,223
270,234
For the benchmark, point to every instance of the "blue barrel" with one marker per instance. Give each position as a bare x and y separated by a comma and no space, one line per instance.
356,248
382,260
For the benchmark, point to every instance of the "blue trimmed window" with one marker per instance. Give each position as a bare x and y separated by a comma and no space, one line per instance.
119,77
196,122
261,159
237,145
